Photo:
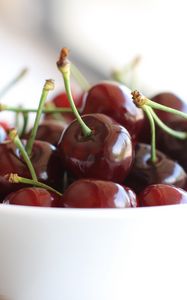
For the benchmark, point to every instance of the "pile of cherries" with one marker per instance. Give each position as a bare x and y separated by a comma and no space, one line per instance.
96,149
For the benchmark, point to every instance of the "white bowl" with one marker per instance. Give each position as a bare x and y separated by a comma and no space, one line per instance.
96,254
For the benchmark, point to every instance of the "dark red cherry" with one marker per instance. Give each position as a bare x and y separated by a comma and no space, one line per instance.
44,159
107,154
114,100
162,194
49,131
145,173
87,193
33,196
173,147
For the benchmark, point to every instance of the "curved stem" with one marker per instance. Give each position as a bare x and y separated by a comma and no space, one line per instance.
82,81
48,86
64,67
18,77
158,106
177,134
14,178
153,133
16,140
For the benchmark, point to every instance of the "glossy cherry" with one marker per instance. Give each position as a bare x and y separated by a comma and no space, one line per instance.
44,159
114,100
87,193
106,154
162,194
145,173
33,196
50,131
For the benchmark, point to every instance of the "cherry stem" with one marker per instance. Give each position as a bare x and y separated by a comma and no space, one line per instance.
141,100
146,109
48,86
13,82
80,78
175,133
14,178
52,110
122,75
64,67
25,123
13,135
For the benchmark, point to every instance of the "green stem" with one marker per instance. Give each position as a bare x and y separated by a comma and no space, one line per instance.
14,178
82,81
177,134
158,106
153,133
48,86
33,110
16,140
25,123
64,67
13,82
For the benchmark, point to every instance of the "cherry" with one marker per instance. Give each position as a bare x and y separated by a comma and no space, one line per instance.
162,194
114,100
95,145
44,159
49,131
145,173
33,196
98,194
106,154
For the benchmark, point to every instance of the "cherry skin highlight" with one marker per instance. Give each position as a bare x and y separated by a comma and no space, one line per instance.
32,196
162,194
145,173
87,193
106,154
114,100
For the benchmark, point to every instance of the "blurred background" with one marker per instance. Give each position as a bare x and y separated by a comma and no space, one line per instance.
102,35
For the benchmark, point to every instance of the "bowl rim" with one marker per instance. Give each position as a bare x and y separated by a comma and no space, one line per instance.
87,213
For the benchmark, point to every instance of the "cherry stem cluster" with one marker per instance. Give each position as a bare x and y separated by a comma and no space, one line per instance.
147,106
